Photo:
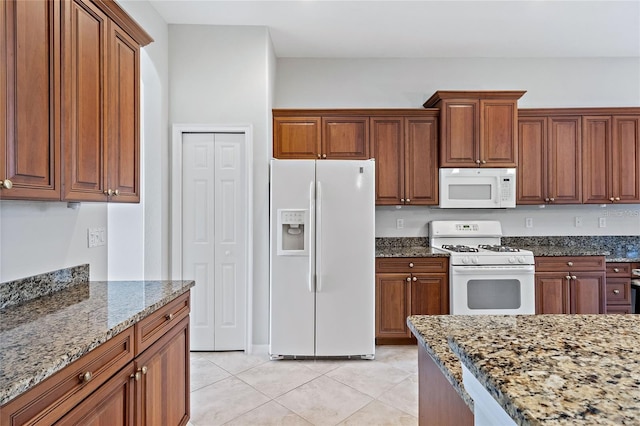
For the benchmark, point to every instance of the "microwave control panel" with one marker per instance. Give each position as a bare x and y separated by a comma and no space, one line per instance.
507,189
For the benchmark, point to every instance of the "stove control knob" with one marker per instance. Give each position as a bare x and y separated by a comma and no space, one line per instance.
512,259
521,259
465,260
474,259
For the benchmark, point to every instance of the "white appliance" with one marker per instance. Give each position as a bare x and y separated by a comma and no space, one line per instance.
484,276
322,275
477,188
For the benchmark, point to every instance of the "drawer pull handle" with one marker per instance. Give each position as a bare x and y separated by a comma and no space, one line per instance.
85,377
411,265
569,263
616,270
616,291
168,317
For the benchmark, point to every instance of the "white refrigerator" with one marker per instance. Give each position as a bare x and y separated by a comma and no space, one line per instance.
322,274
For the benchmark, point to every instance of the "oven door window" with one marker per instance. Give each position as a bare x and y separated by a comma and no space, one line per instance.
493,294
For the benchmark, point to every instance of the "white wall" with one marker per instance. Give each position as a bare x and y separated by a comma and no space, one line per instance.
407,83
223,75
38,237
139,233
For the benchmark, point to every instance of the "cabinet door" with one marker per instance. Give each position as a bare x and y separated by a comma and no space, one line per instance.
429,295
498,133
564,160
123,133
111,404
625,155
588,293
532,160
421,161
345,138
596,160
552,293
84,55
387,145
296,137
30,94
163,388
393,305
460,144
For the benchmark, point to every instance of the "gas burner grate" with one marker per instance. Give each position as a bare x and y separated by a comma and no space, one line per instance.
498,248
459,248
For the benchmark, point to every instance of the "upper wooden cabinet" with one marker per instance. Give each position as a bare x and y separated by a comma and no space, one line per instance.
29,88
549,161
477,129
314,134
611,158
73,86
406,153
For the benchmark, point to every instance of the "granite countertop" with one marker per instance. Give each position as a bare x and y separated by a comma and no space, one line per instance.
565,251
417,251
556,369
44,335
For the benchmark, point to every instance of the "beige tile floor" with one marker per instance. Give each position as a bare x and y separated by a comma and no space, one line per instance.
232,388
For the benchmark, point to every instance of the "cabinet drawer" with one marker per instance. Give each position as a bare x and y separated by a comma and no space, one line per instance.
618,270
47,402
158,323
618,291
412,264
569,263
618,309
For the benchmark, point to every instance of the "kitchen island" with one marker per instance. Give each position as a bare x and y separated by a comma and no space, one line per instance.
61,349
542,369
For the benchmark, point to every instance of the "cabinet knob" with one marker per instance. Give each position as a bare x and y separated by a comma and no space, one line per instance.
484,161
415,279
408,279
168,317
144,369
408,200
617,198
477,161
611,199
616,291
568,277
573,277
411,265
402,200
319,156
109,192
616,270
569,263
547,199
85,377
6,184
324,155
116,192
135,376
552,199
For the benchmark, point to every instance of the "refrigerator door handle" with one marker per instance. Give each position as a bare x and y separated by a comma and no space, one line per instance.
312,242
319,238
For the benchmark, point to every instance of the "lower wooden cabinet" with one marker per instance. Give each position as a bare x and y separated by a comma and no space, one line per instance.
619,288
570,285
408,286
120,382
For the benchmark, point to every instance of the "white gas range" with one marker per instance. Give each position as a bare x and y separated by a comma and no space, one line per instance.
485,278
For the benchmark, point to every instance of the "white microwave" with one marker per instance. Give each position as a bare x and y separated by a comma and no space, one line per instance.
478,188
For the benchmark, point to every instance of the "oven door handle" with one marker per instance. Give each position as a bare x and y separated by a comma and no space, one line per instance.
501,270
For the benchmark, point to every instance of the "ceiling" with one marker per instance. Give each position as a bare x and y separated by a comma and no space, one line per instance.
421,29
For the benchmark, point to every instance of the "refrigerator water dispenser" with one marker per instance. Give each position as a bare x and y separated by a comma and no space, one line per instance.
291,232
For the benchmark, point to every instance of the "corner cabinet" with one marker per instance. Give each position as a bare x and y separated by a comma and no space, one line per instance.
85,57
570,285
408,286
477,129
138,377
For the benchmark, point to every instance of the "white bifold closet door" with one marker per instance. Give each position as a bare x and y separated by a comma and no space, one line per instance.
214,251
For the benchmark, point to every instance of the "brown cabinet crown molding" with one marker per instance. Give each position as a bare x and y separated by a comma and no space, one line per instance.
467,94
297,112
533,112
124,21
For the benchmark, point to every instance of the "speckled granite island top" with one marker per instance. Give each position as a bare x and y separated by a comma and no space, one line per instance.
556,369
44,335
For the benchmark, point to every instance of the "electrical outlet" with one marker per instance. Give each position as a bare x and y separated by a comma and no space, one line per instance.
96,237
602,222
578,222
528,222
399,223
